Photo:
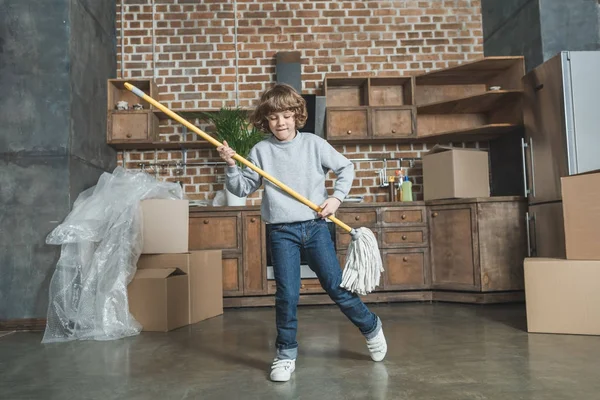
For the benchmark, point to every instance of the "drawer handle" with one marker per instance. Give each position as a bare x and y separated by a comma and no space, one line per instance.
128,135
252,219
302,286
349,132
205,221
403,237
403,216
405,259
357,217
434,214
393,131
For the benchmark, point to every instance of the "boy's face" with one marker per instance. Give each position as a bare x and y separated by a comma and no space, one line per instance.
282,125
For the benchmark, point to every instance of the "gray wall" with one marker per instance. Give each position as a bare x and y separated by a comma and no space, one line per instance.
538,29
55,57
512,28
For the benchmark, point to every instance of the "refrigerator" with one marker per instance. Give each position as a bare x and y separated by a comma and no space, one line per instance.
561,112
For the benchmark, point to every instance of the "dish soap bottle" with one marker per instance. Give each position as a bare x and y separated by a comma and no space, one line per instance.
407,189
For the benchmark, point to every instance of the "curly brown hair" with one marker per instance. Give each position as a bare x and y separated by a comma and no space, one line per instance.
281,97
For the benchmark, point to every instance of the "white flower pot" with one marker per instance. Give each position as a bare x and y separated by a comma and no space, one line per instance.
233,200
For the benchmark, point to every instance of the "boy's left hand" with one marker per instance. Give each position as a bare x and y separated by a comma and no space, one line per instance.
329,207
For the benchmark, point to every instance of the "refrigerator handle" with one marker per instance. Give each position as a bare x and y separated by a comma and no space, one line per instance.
532,169
534,250
528,234
523,146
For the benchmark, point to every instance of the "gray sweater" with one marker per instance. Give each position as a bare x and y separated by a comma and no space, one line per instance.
302,164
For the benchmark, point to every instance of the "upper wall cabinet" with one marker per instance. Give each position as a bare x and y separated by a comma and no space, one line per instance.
369,108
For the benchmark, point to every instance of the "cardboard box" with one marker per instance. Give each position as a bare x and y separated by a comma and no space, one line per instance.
165,226
205,272
562,296
158,299
455,173
581,210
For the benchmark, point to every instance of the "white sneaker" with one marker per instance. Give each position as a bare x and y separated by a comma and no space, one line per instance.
377,346
281,370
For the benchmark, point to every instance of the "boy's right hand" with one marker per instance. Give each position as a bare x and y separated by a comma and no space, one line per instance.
226,153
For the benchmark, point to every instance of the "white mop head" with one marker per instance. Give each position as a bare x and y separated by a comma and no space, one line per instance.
363,263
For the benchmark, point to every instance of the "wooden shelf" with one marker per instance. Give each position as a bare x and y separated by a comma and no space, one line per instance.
475,72
480,133
200,144
185,114
479,103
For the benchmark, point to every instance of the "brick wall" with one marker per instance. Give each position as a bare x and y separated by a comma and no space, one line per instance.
189,49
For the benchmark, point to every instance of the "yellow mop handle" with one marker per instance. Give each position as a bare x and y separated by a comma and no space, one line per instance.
237,157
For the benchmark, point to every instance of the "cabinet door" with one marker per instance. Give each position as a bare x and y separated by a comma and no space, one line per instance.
454,247
132,126
392,122
255,272
406,269
214,231
233,278
347,124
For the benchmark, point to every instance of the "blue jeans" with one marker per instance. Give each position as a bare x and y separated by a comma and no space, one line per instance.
314,238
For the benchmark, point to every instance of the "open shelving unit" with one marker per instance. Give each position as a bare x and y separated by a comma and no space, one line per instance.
478,99
475,101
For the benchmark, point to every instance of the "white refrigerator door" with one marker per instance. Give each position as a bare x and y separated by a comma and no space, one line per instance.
582,91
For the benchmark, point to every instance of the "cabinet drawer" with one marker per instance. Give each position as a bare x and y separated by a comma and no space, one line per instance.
392,122
347,123
405,269
211,232
343,239
306,286
394,237
358,218
401,216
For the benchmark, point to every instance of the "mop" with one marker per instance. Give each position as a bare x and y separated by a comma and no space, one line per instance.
363,268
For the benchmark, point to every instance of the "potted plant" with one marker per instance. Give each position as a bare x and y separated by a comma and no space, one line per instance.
232,125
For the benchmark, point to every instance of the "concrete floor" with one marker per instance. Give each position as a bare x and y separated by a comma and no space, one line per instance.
436,351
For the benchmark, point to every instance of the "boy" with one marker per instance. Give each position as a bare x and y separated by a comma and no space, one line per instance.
301,161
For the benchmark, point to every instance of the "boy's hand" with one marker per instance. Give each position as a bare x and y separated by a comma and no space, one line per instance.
226,153
329,207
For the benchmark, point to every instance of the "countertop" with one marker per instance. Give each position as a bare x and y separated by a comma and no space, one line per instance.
382,204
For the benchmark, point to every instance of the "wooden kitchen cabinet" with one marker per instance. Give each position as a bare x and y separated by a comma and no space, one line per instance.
370,108
240,236
478,245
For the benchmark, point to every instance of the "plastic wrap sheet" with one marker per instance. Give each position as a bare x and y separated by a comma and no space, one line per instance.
101,241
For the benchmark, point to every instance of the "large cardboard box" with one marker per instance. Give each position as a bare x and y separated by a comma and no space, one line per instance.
158,299
455,173
165,226
205,272
581,210
562,296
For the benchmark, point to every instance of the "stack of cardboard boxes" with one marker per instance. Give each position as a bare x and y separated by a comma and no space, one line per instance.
563,296
173,287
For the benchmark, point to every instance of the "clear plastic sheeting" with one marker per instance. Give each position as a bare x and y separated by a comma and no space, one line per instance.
101,243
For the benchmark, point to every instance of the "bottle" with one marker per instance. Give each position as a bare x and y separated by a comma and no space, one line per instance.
407,190
392,189
399,185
